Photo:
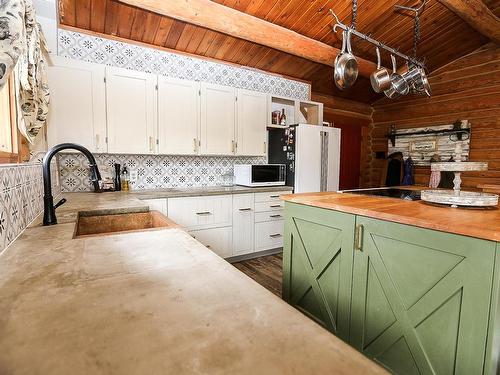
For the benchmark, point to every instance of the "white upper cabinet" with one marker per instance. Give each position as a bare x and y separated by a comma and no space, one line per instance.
132,111
178,116
77,104
217,119
251,123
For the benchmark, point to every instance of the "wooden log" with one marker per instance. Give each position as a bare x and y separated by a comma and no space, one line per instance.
213,16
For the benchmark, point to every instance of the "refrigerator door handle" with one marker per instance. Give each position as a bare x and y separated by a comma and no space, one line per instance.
324,160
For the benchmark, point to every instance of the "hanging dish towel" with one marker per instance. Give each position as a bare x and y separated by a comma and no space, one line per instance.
22,44
12,37
435,175
408,177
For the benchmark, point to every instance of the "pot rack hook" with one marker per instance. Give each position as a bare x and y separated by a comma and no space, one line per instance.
337,21
418,10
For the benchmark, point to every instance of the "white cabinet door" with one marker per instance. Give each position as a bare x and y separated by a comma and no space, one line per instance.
217,119
216,239
178,116
131,99
251,123
77,111
159,204
243,223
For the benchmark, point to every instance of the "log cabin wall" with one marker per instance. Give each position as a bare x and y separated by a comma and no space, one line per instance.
466,89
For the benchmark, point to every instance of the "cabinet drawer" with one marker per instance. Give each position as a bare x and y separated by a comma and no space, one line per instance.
268,235
269,206
201,212
219,240
159,204
269,216
270,196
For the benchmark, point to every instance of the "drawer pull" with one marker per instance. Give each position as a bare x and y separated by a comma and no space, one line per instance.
358,241
203,213
274,196
275,206
274,216
277,235
245,209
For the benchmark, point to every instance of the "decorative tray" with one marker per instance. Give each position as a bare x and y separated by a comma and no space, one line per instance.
461,198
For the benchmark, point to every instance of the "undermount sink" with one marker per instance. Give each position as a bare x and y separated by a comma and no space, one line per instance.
101,225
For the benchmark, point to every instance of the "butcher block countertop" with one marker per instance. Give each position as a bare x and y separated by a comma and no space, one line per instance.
472,222
154,302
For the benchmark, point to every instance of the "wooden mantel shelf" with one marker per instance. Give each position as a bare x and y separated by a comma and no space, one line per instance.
472,222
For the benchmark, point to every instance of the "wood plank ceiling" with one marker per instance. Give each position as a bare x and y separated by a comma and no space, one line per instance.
445,37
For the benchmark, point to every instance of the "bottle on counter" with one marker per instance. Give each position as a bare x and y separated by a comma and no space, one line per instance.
125,179
283,117
118,182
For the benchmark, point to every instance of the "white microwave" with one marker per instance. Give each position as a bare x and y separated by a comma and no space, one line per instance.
255,175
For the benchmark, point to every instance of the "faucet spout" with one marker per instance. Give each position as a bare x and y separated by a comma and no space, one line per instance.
49,210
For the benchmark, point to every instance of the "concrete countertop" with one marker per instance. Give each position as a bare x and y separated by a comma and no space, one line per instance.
153,302
205,191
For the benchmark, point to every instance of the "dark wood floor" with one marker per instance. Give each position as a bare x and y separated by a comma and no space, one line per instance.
265,270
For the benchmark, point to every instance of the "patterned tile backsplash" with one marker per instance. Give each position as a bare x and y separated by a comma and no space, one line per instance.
109,52
21,198
153,171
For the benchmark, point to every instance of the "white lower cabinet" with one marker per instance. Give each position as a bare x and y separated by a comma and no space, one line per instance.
243,224
158,204
268,235
216,239
229,225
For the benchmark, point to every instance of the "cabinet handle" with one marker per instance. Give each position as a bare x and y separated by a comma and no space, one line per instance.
151,141
232,147
265,148
97,141
195,144
207,246
275,205
277,235
274,196
203,213
245,209
274,216
359,237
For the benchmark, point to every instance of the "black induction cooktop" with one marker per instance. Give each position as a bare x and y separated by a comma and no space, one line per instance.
406,194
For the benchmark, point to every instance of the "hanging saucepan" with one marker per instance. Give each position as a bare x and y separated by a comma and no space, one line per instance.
380,78
346,66
421,83
399,86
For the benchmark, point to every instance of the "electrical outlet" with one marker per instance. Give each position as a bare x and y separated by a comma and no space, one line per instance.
133,176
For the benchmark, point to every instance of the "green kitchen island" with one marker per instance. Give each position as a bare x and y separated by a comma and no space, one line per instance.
413,286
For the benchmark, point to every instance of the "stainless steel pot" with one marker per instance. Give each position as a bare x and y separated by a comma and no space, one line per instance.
380,78
421,83
399,86
346,65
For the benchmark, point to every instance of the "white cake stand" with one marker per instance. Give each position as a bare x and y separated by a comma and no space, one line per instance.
458,197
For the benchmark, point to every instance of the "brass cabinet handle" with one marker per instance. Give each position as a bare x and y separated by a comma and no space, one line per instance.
277,235
359,237
195,144
203,213
151,144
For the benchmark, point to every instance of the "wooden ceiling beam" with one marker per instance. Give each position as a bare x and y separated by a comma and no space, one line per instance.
226,20
477,15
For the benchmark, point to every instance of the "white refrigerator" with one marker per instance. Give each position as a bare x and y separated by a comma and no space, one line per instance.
311,154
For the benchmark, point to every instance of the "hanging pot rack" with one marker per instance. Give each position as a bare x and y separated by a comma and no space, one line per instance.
395,52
